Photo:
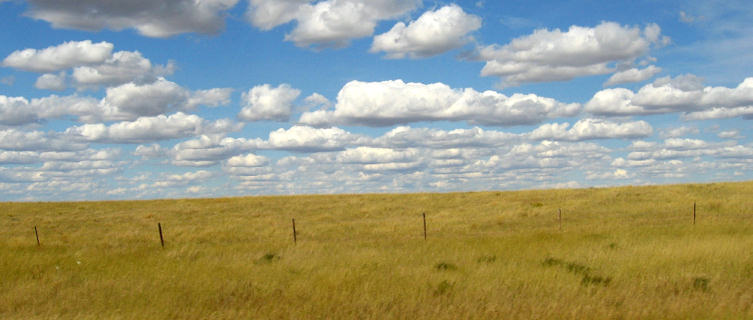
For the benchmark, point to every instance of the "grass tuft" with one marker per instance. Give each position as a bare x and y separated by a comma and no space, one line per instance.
443,266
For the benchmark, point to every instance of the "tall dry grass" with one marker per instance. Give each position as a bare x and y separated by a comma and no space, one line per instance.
629,252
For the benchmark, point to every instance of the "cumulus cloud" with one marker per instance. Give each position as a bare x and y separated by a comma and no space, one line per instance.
730,134
51,81
442,139
586,129
248,160
720,113
60,57
267,103
267,14
679,132
147,129
248,166
158,18
555,55
175,180
632,75
680,148
125,102
308,139
611,175
121,67
60,172
393,102
434,32
92,64
15,111
329,23
149,151
129,101
679,94
380,159
19,140
207,150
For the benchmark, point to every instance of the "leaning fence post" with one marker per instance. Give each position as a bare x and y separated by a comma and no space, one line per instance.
295,239
37,235
161,240
694,212
424,215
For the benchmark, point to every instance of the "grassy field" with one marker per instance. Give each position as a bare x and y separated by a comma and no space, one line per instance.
622,253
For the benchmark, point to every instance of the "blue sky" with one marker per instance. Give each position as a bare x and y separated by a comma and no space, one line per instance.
185,98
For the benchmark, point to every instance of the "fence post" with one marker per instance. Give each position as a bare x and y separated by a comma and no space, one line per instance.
560,218
161,239
295,238
693,212
37,235
424,215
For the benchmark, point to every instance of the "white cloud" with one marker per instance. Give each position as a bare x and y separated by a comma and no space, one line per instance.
50,81
249,167
632,75
679,132
147,129
317,100
129,101
61,171
308,139
157,18
720,113
730,134
267,103
16,111
674,148
152,99
60,57
680,94
207,150
557,56
120,68
396,102
92,64
248,160
434,32
125,102
441,139
616,174
28,157
214,97
586,129
687,18
18,140
175,180
196,189
19,111
329,23
267,14
18,157
150,152
380,159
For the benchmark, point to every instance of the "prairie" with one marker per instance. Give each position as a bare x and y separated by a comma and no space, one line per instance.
621,253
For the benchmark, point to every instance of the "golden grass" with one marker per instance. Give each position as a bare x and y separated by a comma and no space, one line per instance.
628,252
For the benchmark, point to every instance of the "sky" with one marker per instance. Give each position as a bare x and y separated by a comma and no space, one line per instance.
143,99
